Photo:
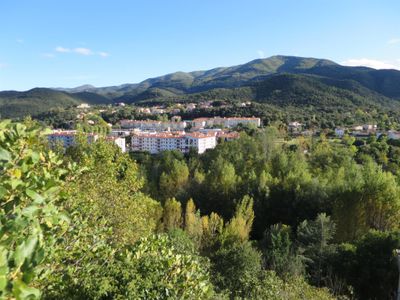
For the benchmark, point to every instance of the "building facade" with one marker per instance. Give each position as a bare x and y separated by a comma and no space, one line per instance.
181,141
150,125
119,141
67,138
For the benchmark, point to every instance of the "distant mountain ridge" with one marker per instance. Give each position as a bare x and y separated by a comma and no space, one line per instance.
222,77
297,76
35,101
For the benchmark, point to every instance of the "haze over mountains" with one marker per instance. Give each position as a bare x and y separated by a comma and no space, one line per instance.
279,80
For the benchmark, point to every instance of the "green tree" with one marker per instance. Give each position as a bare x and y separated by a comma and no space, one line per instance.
162,272
233,266
31,178
150,269
221,181
174,180
367,198
111,184
279,253
314,239
193,222
172,215
240,225
213,227
369,265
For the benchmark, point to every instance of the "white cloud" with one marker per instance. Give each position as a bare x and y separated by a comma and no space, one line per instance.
78,50
104,54
19,41
83,51
261,54
62,49
49,55
394,41
372,63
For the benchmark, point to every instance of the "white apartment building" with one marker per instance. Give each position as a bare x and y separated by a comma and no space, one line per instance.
119,141
151,125
181,141
68,137
200,141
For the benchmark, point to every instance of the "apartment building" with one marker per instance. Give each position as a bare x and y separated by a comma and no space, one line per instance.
119,133
160,141
67,138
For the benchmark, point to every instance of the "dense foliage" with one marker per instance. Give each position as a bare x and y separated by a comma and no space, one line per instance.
31,178
261,217
311,198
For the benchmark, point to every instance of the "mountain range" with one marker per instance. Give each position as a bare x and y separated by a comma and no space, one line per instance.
277,80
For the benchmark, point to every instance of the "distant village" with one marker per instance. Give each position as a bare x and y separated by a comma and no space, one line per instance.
357,131
155,136
198,134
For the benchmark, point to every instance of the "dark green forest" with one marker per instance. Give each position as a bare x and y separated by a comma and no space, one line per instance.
261,217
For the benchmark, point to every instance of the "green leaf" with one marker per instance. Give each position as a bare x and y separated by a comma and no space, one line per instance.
25,250
3,282
4,124
22,291
15,182
4,155
34,196
35,157
30,210
3,191
3,269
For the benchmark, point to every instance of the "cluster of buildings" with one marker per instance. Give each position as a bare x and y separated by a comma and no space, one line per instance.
156,136
182,141
151,125
367,130
223,122
176,124
175,109
357,131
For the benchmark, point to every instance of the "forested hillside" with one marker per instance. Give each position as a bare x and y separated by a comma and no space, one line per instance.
261,217
33,102
278,80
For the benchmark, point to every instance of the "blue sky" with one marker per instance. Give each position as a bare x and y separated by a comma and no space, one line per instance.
66,43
